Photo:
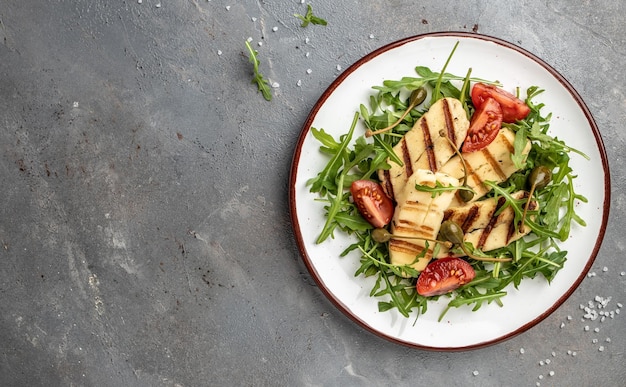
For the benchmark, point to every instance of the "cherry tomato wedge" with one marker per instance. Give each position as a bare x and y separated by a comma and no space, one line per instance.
513,108
484,126
373,204
443,276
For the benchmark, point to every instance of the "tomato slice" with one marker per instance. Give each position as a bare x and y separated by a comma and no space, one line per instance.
443,276
513,108
372,202
484,126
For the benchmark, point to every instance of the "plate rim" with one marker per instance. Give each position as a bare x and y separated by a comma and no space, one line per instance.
306,127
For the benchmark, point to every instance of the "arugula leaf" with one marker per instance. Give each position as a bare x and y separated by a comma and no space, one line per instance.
259,79
310,18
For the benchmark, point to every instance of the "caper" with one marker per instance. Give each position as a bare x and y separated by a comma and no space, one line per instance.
466,195
381,235
539,177
417,96
451,231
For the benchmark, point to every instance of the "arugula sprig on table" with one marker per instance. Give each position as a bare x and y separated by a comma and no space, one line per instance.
310,18
259,79
537,254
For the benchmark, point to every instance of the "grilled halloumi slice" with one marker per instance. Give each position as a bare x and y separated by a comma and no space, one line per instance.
419,214
423,147
486,225
492,163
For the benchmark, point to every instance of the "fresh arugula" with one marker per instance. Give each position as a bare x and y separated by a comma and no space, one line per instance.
259,79
352,157
310,18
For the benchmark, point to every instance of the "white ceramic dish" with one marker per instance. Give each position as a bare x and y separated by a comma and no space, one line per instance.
489,58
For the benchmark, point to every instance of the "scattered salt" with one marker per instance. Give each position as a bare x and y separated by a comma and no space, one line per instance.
521,350
605,269
309,71
594,341
586,328
274,28
562,325
75,104
371,36
553,354
299,83
306,40
253,19
596,330
158,5
541,362
540,377
608,339
601,348
249,39
338,67
275,85
228,7
551,373
219,52
475,373
260,44
139,1
548,361
622,273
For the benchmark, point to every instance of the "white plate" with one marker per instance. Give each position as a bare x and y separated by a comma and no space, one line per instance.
461,328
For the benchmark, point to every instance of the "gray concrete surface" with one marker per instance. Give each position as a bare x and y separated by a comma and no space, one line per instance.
145,231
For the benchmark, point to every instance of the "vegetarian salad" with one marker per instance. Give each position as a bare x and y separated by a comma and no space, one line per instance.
454,189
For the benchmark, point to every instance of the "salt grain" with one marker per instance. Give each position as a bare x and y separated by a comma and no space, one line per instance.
275,85
274,28
219,52
139,1
158,5
605,269
371,36
475,373
253,19
594,341
608,340
622,273
228,7
553,354
260,44
596,330
309,71
586,328
540,377
562,325
75,104
521,350
601,348
541,362
551,373
299,83
338,67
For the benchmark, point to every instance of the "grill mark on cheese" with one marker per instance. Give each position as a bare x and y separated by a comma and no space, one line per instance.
494,164
428,145
472,215
406,158
407,247
492,223
449,122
